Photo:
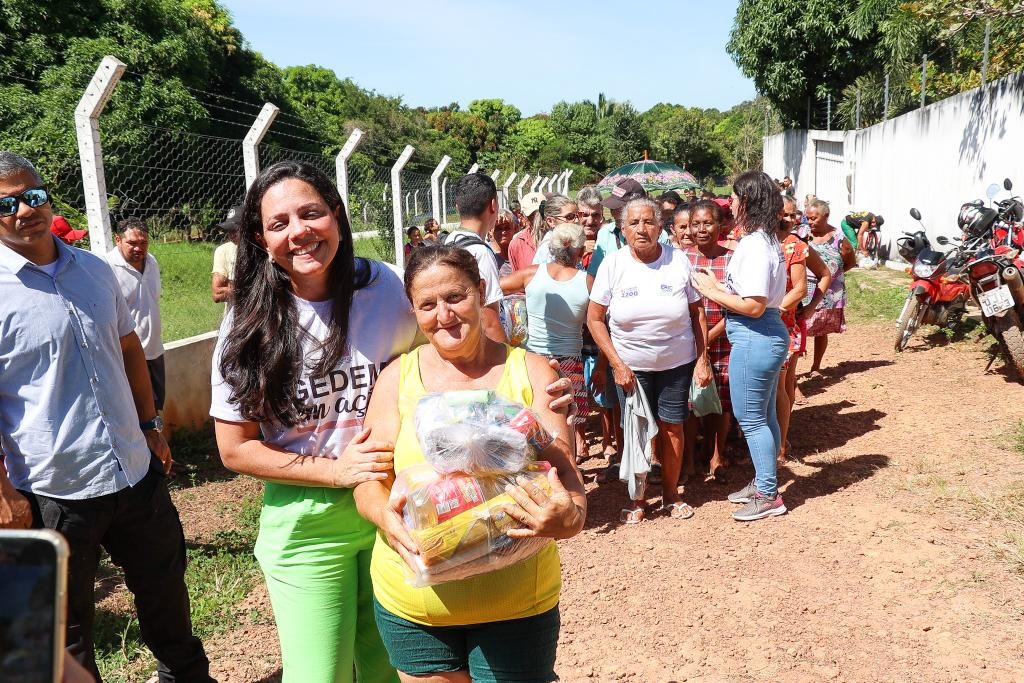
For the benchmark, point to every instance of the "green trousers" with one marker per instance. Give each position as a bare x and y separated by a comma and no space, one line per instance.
314,550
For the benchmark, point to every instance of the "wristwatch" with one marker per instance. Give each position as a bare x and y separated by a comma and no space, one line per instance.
157,424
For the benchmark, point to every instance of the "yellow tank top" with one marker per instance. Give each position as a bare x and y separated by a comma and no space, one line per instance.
525,589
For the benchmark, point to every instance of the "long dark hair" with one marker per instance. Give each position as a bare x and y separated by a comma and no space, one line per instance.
263,354
760,203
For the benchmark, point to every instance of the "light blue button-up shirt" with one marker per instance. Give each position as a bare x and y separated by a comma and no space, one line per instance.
68,423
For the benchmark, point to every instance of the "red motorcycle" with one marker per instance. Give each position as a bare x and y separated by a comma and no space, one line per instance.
995,241
938,295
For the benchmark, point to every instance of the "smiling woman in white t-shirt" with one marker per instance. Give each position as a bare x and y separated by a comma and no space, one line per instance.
754,287
654,337
311,329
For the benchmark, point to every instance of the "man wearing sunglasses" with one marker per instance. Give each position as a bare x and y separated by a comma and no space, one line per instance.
80,445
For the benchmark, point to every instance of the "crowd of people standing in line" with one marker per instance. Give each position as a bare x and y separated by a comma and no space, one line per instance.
320,357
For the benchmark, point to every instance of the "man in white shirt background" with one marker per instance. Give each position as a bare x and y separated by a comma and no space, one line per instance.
222,284
138,276
476,199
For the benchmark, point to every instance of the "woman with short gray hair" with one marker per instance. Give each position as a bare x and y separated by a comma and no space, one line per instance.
557,296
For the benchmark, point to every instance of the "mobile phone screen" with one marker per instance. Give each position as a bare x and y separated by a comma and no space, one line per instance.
28,580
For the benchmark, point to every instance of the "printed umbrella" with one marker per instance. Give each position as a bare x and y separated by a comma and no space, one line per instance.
653,175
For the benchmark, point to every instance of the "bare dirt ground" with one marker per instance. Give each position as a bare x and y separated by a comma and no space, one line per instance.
901,558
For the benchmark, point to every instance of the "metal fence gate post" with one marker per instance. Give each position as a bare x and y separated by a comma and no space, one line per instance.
90,150
435,187
984,53
924,76
341,166
396,202
253,138
885,105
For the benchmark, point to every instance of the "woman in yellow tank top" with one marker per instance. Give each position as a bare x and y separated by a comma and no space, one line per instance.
475,629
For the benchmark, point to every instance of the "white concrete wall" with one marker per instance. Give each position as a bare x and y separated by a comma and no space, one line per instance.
934,158
187,362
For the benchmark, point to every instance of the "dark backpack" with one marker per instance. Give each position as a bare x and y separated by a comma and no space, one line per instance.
462,240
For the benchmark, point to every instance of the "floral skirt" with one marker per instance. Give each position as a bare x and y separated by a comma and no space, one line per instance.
826,321
572,367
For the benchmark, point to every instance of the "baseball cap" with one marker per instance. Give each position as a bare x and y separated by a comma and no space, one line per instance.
233,221
621,193
62,229
531,202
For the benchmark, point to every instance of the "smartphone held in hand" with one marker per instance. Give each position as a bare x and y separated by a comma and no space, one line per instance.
33,577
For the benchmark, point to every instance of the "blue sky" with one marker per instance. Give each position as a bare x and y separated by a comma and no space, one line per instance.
440,51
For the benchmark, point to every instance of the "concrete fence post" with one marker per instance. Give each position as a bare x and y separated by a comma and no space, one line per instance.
406,205
473,169
435,187
565,183
543,187
90,150
504,189
444,201
537,180
253,138
519,187
416,203
341,166
396,201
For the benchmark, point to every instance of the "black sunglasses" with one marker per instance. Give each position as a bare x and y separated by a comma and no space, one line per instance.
34,197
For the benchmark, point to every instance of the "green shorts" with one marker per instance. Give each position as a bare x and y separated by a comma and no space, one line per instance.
490,652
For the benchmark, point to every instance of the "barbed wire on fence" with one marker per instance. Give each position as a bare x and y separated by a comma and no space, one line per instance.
181,183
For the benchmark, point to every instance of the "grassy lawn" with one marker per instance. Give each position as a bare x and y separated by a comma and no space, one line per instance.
186,308
185,304
873,296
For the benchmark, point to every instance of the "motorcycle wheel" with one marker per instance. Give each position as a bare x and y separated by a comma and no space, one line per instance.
909,320
1009,332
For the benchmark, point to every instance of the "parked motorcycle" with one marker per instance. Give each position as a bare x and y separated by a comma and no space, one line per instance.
938,294
995,269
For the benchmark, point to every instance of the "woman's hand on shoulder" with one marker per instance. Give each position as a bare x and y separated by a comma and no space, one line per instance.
547,373
545,515
704,281
366,459
363,460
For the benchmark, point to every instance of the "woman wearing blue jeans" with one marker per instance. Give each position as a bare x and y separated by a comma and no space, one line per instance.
754,287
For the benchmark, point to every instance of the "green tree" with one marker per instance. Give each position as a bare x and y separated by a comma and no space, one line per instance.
686,137
622,135
499,119
797,52
575,124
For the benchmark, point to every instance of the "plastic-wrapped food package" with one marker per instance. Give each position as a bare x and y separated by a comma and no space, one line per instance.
478,432
512,314
475,443
459,524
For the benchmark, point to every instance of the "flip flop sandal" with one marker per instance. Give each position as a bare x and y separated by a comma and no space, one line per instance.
627,516
679,510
